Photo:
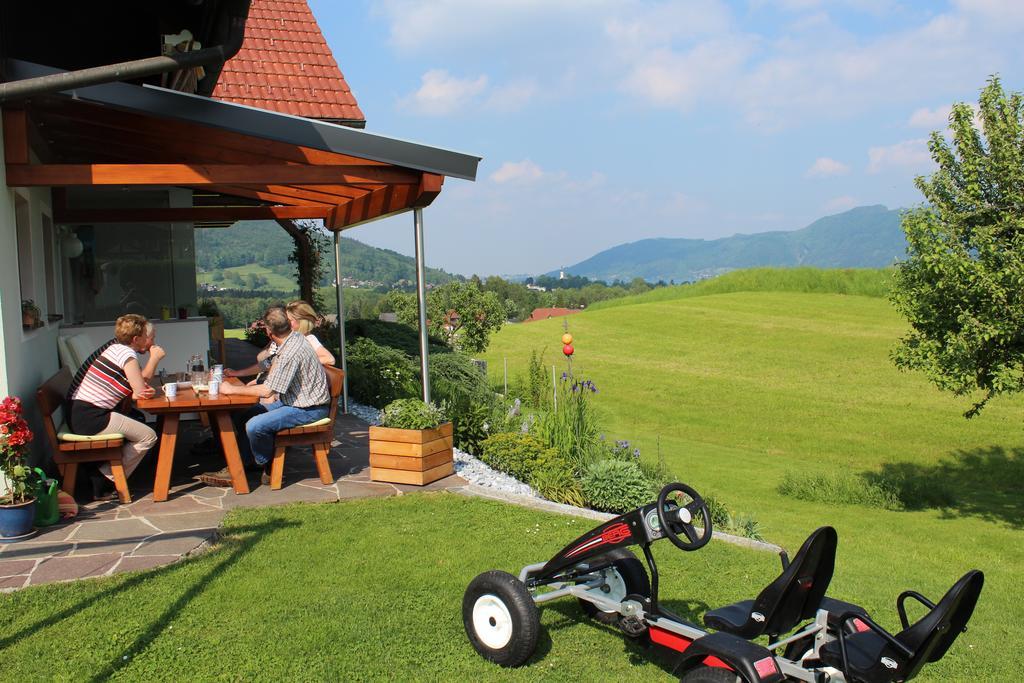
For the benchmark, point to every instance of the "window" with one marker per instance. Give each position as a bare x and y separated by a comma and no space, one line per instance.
31,316
52,305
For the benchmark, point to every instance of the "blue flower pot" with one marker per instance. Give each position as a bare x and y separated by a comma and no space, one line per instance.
16,520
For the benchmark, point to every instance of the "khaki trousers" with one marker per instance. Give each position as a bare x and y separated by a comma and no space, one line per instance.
138,439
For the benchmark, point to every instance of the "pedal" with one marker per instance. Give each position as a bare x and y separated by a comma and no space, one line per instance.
633,626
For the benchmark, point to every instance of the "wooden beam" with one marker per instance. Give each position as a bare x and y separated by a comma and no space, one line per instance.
202,137
374,205
189,214
15,136
429,188
68,175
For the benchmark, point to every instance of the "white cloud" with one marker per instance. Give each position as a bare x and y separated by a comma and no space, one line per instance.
441,93
824,167
930,118
511,96
911,154
518,172
839,204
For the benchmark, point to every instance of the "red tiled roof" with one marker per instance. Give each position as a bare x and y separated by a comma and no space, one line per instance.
545,313
286,66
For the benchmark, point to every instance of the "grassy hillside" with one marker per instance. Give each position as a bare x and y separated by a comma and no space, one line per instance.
739,389
873,282
863,237
267,246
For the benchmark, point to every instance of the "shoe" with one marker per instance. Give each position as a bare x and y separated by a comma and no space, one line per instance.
218,478
265,478
102,488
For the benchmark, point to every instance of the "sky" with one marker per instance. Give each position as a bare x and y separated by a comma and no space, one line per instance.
602,122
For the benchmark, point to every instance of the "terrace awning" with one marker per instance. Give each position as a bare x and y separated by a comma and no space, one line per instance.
241,162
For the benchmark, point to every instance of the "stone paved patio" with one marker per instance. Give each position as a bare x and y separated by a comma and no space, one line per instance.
107,538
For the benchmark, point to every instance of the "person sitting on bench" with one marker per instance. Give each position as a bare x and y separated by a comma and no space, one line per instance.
110,375
296,392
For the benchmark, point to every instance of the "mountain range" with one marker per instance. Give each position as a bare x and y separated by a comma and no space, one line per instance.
863,237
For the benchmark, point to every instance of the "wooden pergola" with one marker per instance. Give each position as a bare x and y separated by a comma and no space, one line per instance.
241,163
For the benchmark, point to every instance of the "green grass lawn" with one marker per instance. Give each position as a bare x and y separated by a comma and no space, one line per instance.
362,590
738,389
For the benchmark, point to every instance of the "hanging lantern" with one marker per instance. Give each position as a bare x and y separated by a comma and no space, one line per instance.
71,246
568,350
567,338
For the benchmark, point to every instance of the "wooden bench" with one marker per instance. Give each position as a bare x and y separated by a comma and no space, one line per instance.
318,434
71,449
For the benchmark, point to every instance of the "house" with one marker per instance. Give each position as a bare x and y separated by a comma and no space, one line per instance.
137,123
545,313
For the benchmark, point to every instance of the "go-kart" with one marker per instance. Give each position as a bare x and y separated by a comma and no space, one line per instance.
837,641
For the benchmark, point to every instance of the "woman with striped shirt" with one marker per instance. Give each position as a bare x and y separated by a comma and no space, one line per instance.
110,375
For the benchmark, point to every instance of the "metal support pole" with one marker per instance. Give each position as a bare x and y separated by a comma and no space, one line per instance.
421,296
341,319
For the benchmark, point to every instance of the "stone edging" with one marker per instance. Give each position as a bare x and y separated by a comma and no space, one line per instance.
547,506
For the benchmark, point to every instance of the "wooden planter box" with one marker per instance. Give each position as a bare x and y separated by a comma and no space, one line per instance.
411,456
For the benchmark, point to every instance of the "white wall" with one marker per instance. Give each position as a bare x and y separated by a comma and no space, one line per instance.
27,359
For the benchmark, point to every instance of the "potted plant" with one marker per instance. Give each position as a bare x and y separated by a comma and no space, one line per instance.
31,316
17,504
413,445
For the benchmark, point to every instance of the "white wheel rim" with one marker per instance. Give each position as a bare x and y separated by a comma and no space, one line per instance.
616,587
492,621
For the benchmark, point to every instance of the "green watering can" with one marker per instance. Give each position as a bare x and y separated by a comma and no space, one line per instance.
47,512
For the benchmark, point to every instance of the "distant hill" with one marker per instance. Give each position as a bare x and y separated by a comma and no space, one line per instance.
266,243
864,237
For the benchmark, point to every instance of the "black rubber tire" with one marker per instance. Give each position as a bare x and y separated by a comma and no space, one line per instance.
506,624
710,674
633,575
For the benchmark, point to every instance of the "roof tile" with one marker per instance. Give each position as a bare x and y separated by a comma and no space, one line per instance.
285,65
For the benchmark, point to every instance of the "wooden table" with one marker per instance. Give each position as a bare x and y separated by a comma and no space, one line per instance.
218,409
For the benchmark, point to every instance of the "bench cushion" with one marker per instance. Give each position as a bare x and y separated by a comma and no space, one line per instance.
64,435
318,423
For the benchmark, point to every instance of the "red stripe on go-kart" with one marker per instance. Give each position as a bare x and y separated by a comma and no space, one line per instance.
612,535
669,639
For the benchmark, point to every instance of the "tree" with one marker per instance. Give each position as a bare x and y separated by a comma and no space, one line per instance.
458,312
962,284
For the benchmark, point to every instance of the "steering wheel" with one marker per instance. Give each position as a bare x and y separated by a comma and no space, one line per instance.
681,515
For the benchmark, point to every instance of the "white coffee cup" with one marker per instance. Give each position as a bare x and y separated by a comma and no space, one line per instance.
214,388
171,389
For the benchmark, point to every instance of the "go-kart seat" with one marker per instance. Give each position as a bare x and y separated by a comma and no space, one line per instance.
875,656
789,599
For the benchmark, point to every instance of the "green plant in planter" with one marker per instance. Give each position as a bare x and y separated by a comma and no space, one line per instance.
14,439
30,313
412,413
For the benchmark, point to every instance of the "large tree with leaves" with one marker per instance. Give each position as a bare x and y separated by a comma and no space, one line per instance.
458,312
962,284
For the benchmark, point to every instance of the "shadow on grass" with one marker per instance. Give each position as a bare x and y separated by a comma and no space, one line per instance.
229,551
639,650
984,482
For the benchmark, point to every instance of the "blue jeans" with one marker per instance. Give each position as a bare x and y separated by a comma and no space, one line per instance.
264,420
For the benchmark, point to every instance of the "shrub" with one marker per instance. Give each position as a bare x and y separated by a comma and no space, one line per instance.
616,486
516,454
412,413
840,488
721,518
538,393
555,481
377,375
399,336
457,381
571,426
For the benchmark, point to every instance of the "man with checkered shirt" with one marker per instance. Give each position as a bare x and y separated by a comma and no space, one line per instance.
296,392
